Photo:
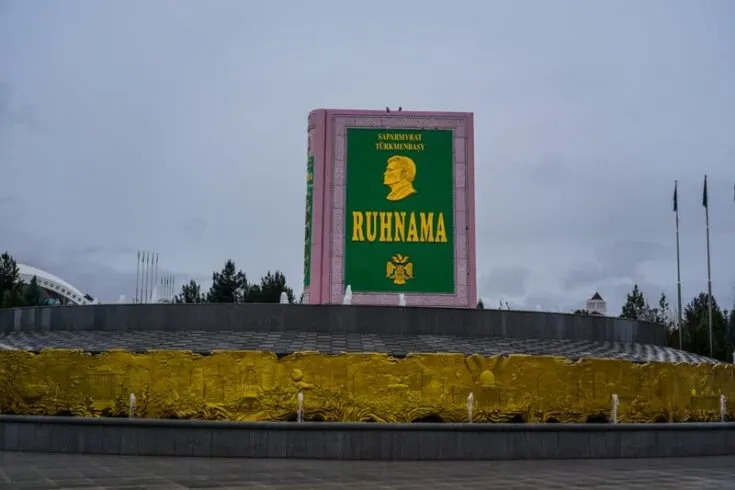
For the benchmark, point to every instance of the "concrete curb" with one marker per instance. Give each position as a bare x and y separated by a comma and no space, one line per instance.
389,320
365,441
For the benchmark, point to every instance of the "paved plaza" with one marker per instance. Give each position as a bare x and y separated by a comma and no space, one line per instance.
55,471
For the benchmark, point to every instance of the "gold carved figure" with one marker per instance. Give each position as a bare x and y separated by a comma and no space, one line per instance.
399,176
399,269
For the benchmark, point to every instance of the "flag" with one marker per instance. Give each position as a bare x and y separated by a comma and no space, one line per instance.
676,196
156,258
704,193
138,255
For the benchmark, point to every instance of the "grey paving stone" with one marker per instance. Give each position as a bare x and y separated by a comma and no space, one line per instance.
48,470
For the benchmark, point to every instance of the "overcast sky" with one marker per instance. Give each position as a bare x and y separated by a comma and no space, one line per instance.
180,127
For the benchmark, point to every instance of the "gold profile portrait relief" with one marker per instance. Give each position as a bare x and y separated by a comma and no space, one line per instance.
399,175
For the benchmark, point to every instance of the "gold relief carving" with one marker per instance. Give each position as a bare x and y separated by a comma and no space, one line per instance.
705,402
214,386
600,387
101,386
256,386
400,172
399,269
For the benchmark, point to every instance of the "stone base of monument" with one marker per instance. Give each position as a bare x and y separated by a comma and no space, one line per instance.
351,364
258,386
355,441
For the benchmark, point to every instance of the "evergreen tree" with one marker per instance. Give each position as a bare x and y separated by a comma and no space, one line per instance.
190,293
270,288
696,329
33,295
228,285
635,305
637,308
663,315
664,308
251,293
480,304
729,333
660,314
11,286
581,312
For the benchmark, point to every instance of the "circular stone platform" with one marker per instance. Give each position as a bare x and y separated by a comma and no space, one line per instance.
289,342
248,362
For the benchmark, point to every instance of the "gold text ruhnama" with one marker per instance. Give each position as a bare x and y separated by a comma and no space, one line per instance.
398,226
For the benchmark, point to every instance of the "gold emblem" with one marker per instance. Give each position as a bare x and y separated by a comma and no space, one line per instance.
399,176
399,269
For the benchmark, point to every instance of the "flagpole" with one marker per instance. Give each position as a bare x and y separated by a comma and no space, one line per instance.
155,276
150,277
151,266
137,277
143,279
678,264
146,261
709,269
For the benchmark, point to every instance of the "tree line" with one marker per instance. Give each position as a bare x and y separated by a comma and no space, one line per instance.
13,290
694,323
231,285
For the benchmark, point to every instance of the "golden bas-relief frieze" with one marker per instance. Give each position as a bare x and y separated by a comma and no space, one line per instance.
258,386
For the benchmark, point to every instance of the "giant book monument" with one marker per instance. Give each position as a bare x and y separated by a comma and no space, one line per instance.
390,208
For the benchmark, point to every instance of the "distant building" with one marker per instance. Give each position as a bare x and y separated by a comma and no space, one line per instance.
596,305
55,290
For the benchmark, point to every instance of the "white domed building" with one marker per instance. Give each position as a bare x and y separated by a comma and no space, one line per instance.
55,288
